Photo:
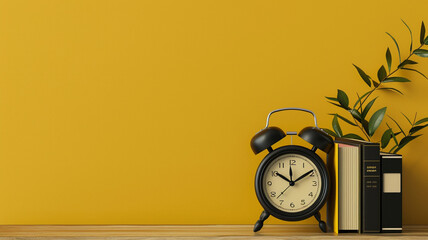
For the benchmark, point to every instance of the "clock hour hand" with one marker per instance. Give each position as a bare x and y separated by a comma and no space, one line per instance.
304,175
283,177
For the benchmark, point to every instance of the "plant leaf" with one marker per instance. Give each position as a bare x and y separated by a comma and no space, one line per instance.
410,122
421,121
406,62
392,89
356,114
367,108
335,104
332,99
363,75
343,98
426,40
411,35
396,79
375,120
376,84
422,33
388,59
365,125
398,125
404,141
421,52
358,101
393,135
352,135
407,139
329,132
343,118
386,137
414,119
414,70
392,149
417,128
336,126
407,119
359,98
381,73
396,44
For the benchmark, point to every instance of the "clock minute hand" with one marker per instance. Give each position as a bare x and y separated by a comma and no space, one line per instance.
304,175
283,177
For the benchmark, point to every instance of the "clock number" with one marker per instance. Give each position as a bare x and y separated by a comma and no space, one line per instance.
314,183
292,205
310,194
312,174
280,202
292,162
269,183
274,173
281,165
272,194
303,165
302,202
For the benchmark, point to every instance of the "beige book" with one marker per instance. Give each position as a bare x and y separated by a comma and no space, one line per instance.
348,187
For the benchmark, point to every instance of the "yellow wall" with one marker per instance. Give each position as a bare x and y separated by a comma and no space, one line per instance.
141,112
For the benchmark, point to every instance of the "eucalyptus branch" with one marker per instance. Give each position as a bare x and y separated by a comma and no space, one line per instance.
360,127
359,114
389,75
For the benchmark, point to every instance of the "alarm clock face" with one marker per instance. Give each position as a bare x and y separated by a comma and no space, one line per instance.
292,183
303,187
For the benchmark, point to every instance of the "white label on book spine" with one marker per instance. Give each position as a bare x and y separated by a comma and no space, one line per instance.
392,182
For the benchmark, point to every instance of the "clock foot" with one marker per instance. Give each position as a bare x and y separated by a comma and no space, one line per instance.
322,224
259,223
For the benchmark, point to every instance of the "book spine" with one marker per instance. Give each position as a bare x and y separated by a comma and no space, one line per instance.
370,176
391,193
332,201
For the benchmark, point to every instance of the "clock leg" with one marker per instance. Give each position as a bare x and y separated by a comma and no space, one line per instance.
322,224
259,223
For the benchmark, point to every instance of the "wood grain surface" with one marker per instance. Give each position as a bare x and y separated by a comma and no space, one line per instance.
131,232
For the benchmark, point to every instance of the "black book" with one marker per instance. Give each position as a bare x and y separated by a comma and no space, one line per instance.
370,185
391,192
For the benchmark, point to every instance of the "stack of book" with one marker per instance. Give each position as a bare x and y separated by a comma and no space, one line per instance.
365,194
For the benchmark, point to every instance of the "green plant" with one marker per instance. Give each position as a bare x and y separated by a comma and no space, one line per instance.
360,109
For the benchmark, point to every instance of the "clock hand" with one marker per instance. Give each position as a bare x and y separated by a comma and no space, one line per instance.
291,174
283,177
283,191
304,175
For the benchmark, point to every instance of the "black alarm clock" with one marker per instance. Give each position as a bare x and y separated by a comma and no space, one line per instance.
292,181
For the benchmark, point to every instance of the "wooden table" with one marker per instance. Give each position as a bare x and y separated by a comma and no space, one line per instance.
131,232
